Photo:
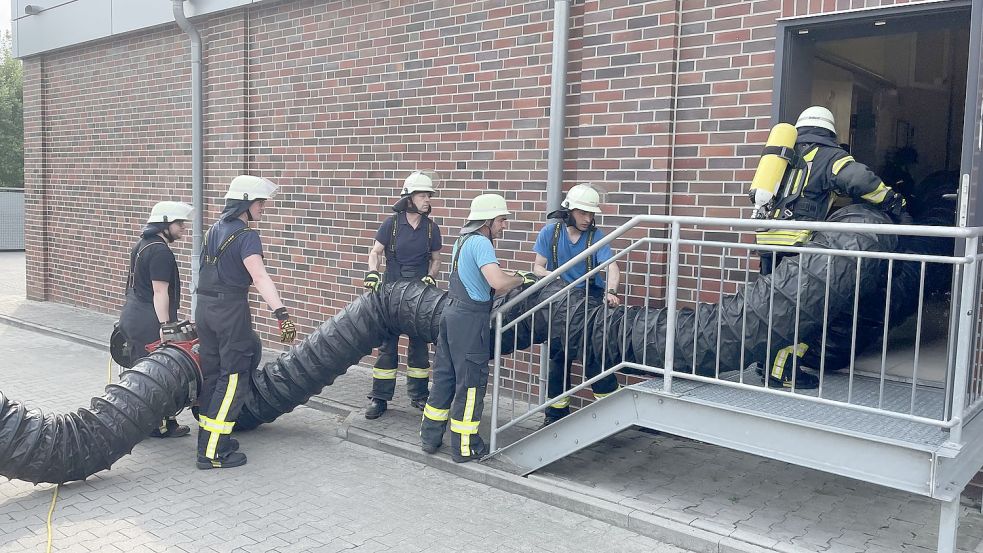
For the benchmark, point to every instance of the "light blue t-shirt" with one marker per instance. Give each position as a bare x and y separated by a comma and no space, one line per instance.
476,253
567,250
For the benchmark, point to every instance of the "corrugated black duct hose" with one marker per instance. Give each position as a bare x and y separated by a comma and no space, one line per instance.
43,447
59,448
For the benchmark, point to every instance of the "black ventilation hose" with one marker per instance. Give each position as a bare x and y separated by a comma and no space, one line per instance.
61,448
40,447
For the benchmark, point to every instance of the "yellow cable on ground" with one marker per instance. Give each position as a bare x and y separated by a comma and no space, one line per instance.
109,371
51,509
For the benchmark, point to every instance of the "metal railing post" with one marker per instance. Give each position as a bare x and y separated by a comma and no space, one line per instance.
964,342
671,289
496,386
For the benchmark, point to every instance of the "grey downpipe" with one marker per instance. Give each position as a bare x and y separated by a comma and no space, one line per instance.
197,138
558,105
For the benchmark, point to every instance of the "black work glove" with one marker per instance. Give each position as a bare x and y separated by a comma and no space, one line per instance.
897,208
373,281
429,281
288,330
169,331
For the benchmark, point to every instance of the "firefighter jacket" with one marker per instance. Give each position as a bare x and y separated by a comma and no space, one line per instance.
822,172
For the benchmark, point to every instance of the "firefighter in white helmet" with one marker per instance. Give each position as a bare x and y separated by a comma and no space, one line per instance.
460,371
571,233
153,291
820,172
410,243
231,261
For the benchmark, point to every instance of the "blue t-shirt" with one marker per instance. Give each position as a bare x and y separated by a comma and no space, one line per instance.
476,253
567,250
230,267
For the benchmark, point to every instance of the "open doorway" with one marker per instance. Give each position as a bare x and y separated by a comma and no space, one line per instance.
896,84
895,80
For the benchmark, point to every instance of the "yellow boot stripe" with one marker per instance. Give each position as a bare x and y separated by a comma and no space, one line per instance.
418,372
602,396
384,374
468,416
223,411
561,404
434,414
778,367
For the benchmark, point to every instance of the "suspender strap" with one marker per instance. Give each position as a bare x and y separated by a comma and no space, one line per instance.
556,240
131,277
213,259
392,241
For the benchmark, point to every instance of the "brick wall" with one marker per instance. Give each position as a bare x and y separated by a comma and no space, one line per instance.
338,101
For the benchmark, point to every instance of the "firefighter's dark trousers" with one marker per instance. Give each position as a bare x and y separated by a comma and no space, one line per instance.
460,376
229,350
417,369
559,378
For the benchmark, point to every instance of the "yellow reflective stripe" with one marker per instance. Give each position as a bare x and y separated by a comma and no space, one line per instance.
383,374
462,427
212,425
561,404
778,367
434,414
877,195
468,416
782,237
839,164
602,396
223,411
414,372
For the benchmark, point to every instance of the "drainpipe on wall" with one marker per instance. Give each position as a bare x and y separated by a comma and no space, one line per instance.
558,104
197,195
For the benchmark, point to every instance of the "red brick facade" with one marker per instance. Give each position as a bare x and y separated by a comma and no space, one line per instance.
338,101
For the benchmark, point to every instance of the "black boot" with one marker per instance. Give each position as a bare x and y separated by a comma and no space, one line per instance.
553,414
478,450
803,380
233,459
170,429
419,403
375,409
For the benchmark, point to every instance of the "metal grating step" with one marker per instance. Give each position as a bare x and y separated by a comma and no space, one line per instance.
896,396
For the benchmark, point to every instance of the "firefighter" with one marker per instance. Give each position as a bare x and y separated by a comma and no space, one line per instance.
572,232
231,260
460,372
820,172
153,291
410,243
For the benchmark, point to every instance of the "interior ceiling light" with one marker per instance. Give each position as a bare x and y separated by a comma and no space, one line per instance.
803,31
880,23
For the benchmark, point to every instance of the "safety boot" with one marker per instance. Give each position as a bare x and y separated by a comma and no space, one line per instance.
171,429
419,403
233,459
553,414
375,409
478,451
429,448
803,380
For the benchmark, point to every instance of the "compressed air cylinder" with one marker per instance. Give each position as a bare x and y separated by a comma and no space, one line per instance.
772,165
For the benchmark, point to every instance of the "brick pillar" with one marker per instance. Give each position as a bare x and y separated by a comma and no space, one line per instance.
34,180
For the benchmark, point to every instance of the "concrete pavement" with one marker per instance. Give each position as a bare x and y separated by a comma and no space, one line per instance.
304,488
690,494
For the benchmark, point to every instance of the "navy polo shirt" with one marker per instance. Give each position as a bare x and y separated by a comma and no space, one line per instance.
412,249
230,267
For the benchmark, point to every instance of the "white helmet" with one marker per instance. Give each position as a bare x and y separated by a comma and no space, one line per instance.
418,181
168,212
816,116
483,209
248,187
583,197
